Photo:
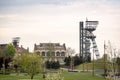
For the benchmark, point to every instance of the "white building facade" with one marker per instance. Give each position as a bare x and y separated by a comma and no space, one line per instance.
51,51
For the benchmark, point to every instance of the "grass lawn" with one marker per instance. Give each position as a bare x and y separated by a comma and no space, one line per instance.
81,76
65,74
89,66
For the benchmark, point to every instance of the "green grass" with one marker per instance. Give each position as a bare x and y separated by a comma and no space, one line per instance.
81,76
97,65
65,74
18,77
89,66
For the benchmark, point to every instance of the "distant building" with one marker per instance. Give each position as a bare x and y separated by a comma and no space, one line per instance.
19,50
2,47
51,51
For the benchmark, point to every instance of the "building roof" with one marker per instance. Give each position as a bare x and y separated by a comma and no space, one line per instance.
45,46
2,46
19,50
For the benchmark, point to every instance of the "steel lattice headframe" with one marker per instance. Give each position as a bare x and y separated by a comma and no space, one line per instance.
87,38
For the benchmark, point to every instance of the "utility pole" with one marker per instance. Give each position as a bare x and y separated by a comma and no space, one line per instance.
93,61
114,65
104,60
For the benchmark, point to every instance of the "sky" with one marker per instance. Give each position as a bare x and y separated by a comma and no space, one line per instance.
57,21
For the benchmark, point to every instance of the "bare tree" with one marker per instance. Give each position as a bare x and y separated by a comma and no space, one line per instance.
51,51
70,53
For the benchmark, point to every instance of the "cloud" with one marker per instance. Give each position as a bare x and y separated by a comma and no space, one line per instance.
33,2
55,2
55,21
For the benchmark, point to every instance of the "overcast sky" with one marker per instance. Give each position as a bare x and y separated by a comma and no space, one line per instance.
43,21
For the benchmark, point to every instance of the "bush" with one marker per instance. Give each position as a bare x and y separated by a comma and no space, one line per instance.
52,64
77,60
67,61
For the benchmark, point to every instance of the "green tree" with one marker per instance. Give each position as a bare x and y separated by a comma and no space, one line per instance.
0,52
88,58
48,64
16,61
52,64
31,63
2,57
81,60
51,51
67,61
76,60
50,55
8,53
57,65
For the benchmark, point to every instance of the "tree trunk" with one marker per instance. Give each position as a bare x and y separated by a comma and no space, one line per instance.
4,70
32,76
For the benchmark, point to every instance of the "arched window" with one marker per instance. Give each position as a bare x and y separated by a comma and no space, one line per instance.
62,53
57,53
43,53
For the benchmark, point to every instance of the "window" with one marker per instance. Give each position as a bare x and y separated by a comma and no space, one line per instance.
62,53
43,53
57,53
